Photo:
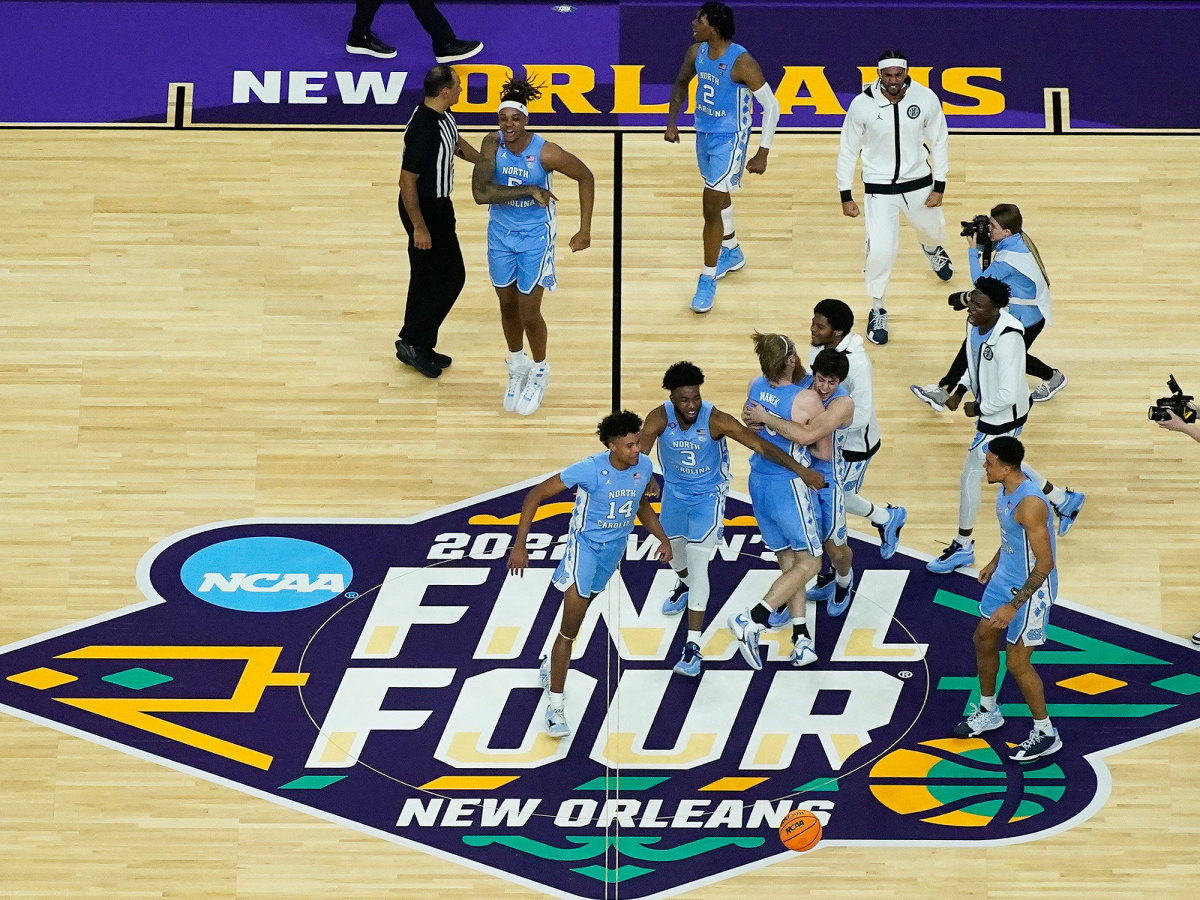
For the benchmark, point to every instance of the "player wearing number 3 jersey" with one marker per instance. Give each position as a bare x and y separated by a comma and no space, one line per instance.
610,490
726,77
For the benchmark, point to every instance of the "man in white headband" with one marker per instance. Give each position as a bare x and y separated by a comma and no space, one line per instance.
899,129
728,76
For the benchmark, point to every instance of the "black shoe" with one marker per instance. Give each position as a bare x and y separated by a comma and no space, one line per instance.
417,357
370,45
442,360
455,51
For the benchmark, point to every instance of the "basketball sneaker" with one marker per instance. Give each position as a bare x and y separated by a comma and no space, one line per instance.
889,532
677,602
730,260
457,51
706,294
556,722
803,652
1068,510
689,663
978,722
841,597
1196,638
877,326
953,557
823,589
1049,387
933,394
518,371
370,45
939,261
535,389
544,673
1038,744
745,631
783,615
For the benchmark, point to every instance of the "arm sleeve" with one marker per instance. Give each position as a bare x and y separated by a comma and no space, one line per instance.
848,148
973,260
770,118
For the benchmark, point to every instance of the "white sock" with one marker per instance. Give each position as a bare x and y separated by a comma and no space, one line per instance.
877,304
520,357
1057,496
555,701
843,580
710,271
988,702
879,515
727,225
694,636
1043,725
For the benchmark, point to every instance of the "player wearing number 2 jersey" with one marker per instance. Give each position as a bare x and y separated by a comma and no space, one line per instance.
610,490
726,76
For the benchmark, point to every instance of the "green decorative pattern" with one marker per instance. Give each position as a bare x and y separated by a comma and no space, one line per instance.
311,782
622,783
137,679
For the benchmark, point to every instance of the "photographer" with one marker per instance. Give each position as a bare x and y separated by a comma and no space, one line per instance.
1171,421
1018,264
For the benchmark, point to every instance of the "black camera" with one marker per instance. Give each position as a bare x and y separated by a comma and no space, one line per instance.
958,300
1177,403
980,226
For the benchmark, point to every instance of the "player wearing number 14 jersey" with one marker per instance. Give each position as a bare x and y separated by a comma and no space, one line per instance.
610,490
726,77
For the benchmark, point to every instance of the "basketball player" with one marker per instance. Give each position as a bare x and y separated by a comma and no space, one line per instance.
824,435
832,329
897,125
1022,583
609,491
512,175
727,75
694,457
783,504
995,375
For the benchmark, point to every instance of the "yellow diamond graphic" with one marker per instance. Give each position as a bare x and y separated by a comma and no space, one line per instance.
1092,683
42,679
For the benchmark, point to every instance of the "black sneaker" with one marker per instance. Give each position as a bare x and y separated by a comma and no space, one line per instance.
370,45
442,360
417,357
456,51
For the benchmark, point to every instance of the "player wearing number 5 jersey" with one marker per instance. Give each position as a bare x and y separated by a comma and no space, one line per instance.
610,490
692,450
726,77
513,176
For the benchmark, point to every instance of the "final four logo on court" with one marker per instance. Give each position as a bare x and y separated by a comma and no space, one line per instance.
384,675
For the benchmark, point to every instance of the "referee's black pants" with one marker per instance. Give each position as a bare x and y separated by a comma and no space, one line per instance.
431,20
436,276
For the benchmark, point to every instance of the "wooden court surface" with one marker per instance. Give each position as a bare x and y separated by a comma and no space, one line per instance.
198,326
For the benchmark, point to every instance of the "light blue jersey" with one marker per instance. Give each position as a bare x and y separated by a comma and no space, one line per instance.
1013,567
693,462
831,499
513,169
606,498
722,105
779,401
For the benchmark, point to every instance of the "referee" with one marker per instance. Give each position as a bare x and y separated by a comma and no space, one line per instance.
436,270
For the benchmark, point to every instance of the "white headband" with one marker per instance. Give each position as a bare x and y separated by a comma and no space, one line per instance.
893,62
786,346
513,104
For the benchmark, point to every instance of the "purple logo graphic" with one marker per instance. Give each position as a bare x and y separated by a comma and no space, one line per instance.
409,706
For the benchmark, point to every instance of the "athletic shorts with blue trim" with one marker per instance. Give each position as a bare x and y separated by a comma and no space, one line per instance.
721,156
831,508
1031,621
784,508
524,257
588,566
694,517
856,474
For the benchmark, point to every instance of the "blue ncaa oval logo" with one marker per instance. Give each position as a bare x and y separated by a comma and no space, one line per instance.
266,574
914,111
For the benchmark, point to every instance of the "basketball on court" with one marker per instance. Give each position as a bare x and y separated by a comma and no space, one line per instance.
800,830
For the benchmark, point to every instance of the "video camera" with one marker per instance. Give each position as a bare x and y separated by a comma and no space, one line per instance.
981,227
1177,403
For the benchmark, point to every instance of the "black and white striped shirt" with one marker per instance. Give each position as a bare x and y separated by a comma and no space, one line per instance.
430,139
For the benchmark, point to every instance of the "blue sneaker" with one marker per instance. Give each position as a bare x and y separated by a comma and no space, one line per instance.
706,293
689,663
824,587
877,332
544,673
677,602
803,652
953,557
889,532
745,630
1069,510
783,615
556,722
939,261
730,260
841,597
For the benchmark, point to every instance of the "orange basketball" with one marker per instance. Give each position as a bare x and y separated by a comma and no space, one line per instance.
800,830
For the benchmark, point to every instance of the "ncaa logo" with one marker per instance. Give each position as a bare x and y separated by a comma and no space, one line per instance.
266,574
914,112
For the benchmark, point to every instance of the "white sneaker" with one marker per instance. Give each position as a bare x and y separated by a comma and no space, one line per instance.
803,652
535,388
518,372
556,722
933,394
